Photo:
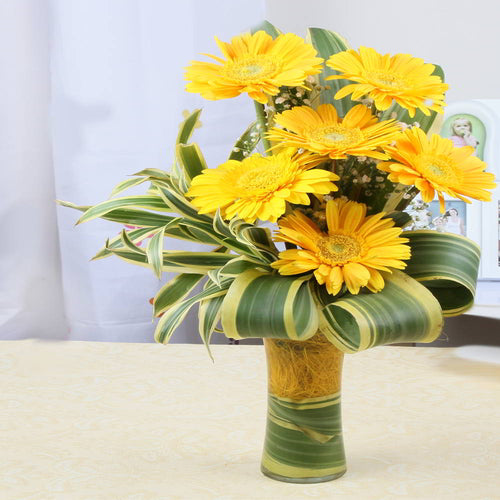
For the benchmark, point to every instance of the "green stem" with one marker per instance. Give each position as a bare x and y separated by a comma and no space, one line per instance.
386,115
262,122
397,200
411,193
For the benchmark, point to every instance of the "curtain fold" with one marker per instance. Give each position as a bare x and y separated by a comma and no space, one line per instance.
96,93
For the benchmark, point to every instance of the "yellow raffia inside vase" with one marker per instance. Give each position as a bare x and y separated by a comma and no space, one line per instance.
303,369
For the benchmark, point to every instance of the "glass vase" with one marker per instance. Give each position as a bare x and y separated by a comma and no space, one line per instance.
303,442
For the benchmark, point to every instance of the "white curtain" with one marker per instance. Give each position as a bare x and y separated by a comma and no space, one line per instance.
92,91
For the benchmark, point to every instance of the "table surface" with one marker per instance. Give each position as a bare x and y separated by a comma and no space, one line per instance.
88,420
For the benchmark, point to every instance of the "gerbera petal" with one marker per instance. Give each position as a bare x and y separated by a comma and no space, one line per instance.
355,276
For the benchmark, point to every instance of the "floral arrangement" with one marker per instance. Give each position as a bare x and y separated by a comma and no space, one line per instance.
341,145
344,149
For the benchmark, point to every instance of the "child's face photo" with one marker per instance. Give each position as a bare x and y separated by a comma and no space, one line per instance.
461,127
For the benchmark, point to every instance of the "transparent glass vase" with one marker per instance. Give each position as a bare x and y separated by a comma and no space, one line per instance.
303,442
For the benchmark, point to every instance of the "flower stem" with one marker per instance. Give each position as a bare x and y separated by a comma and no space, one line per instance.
262,126
397,200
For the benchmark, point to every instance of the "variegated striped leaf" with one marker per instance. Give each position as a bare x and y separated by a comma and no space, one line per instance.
139,201
187,127
268,28
154,251
240,265
328,43
304,439
178,203
404,311
129,244
174,291
193,260
208,318
220,225
191,160
127,215
153,172
447,265
401,219
136,236
177,262
126,184
260,304
246,143
174,316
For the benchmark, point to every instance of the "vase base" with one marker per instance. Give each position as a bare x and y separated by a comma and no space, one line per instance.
301,480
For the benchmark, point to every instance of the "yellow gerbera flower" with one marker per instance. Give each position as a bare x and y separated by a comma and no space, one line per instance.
402,77
436,165
255,64
353,251
259,187
322,132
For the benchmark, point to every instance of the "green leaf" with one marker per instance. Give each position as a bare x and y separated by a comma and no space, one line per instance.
135,258
138,218
187,127
174,291
140,201
401,219
126,184
268,28
192,260
208,318
129,244
135,235
246,143
447,265
176,262
258,239
153,172
201,232
174,316
154,251
191,160
304,437
240,265
328,43
220,225
404,311
268,305
179,204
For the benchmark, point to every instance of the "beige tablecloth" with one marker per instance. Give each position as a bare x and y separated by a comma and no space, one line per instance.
143,421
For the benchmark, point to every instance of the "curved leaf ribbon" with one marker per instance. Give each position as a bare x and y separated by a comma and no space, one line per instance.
438,281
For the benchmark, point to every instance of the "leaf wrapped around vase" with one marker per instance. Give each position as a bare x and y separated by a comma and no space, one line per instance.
338,150
304,429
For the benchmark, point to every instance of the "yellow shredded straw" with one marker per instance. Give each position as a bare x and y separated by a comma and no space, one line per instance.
303,369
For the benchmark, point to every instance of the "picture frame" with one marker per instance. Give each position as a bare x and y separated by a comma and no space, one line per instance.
477,123
479,221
